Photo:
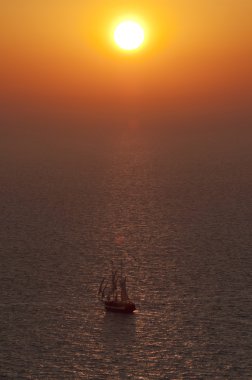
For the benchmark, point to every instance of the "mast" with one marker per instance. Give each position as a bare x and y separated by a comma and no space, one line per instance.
103,290
121,268
100,287
113,283
124,294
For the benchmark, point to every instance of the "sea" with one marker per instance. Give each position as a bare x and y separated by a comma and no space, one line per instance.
174,205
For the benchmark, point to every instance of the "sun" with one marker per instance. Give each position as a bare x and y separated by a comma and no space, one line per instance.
129,35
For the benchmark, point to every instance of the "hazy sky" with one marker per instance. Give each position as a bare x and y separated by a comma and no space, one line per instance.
59,56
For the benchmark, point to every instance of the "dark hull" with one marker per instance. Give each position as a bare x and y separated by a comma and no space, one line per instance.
120,307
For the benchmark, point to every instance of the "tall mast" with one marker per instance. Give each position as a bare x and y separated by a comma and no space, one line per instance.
100,288
121,268
124,294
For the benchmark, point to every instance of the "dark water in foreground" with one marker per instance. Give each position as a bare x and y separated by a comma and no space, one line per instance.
178,209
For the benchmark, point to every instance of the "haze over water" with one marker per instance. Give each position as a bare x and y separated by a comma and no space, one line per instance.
175,204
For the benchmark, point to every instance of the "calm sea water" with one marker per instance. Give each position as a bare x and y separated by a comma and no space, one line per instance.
176,207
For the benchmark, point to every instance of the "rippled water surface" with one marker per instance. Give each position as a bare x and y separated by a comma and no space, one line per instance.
177,209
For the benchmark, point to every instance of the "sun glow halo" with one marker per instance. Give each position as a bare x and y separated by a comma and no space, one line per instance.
129,35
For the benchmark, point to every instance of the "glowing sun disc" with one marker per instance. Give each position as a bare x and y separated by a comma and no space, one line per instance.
129,35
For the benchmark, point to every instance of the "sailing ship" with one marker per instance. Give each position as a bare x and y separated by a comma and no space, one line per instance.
114,295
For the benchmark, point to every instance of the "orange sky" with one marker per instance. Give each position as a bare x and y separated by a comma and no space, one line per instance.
59,55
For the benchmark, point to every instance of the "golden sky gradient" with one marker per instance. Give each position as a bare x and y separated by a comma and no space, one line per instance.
62,52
